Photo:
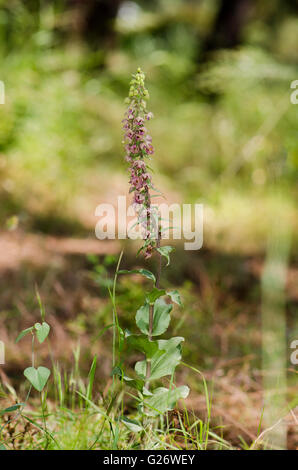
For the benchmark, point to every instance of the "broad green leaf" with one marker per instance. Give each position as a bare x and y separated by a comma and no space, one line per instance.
141,343
2,447
24,333
164,400
143,272
11,408
152,296
142,318
165,251
42,331
146,392
164,360
175,297
141,366
37,377
161,317
169,344
131,424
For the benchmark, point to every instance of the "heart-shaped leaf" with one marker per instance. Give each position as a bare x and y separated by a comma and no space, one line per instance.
42,331
37,377
161,317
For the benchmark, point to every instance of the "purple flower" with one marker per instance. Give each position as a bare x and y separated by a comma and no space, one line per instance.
138,147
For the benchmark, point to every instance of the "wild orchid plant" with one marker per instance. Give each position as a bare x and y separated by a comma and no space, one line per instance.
161,356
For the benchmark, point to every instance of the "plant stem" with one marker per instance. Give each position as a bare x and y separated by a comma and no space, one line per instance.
115,317
150,329
151,310
42,403
159,258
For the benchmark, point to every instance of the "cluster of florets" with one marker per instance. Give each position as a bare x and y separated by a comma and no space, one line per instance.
138,147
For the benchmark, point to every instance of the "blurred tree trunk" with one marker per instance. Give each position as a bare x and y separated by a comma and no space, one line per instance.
226,33
94,20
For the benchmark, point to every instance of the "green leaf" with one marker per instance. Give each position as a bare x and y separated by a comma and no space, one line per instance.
131,424
41,307
37,377
164,360
142,318
141,343
164,400
154,295
146,392
169,344
42,331
11,408
93,259
138,384
143,272
91,378
165,251
175,297
24,333
121,338
161,317
2,447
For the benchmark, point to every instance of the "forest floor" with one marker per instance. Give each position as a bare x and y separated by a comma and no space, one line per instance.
228,352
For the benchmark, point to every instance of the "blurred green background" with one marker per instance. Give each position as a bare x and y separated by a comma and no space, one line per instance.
225,134
225,129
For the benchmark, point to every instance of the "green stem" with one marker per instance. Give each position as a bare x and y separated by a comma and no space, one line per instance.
151,309
115,317
150,329
159,262
42,403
